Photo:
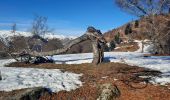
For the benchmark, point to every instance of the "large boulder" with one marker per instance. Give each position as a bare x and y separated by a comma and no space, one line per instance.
28,94
108,92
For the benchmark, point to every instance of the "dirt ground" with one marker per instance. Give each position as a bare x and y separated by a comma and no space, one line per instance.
125,77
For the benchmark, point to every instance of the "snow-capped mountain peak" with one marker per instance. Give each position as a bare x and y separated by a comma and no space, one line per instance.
8,34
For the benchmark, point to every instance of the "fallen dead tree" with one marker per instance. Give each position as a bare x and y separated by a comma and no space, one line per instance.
92,34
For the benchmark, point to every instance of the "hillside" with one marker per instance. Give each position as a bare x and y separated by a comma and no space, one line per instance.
138,31
138,28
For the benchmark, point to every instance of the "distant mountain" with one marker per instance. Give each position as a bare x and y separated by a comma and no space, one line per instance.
7,34
21,40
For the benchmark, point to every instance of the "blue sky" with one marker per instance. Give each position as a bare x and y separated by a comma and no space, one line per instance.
67,17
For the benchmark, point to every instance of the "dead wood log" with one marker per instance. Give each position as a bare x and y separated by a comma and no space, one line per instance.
92,34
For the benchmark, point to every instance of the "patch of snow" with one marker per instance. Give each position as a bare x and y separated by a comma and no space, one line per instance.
108,44
160,80
4,62
117,48
54,79
104,77
73,58
147,46
19,78
115,79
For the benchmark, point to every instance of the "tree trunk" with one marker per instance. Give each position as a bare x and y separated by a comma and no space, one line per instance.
142,46
96,52
0,76
101,49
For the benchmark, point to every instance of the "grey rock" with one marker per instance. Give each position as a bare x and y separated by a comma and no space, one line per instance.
108,92
29,94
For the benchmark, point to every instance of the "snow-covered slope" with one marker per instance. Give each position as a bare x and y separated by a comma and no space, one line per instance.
7,34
